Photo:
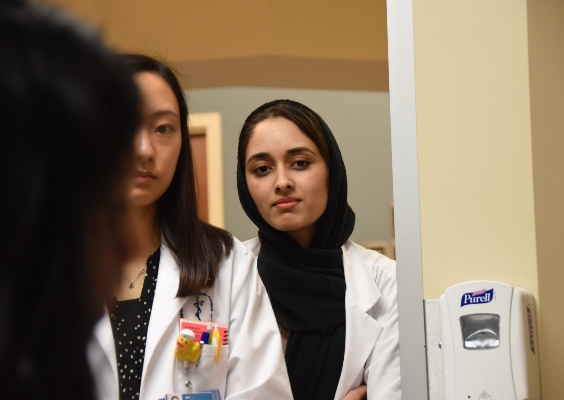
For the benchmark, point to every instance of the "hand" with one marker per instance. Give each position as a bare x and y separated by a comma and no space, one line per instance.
356,394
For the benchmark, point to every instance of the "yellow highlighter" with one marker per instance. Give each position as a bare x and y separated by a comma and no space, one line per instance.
216,341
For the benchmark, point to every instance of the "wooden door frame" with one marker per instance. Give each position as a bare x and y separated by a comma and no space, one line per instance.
210,124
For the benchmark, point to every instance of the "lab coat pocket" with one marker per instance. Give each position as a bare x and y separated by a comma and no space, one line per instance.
206,374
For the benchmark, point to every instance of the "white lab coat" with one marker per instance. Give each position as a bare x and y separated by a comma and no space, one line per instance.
372,338
251,366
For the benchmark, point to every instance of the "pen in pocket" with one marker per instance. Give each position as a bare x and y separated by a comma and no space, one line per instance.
216,341
206,335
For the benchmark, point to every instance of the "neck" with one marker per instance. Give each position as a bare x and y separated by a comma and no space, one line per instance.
144,230
146,236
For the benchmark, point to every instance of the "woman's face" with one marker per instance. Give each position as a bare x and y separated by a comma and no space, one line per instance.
157,143
287,178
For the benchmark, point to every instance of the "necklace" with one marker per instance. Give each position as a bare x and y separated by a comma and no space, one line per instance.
132,282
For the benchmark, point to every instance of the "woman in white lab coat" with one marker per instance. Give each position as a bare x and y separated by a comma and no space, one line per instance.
334,301
185,269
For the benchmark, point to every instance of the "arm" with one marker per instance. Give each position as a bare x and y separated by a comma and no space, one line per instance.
356,394
256,367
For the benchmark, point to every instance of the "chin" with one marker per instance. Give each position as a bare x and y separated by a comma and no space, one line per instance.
289,228
284,226
140,201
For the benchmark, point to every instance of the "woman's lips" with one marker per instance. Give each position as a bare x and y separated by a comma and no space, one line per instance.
286,203
143,177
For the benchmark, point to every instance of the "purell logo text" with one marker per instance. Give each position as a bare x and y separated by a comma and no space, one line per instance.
480,297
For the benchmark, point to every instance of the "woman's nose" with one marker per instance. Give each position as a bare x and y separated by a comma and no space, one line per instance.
283,181
143,146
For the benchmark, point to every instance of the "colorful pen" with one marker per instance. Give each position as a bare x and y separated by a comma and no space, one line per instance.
216,341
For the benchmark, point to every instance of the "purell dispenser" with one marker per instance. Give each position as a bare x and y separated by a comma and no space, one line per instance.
489,342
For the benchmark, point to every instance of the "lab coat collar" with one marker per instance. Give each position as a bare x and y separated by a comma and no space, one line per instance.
102,333
362,329
361,285
166,302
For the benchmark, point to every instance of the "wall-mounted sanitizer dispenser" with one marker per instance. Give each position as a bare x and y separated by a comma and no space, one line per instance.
489,342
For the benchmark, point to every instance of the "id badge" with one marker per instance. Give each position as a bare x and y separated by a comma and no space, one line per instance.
208,395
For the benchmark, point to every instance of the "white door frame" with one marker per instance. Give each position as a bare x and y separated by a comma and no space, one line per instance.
406,200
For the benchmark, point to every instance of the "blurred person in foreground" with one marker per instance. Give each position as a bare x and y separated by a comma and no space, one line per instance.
69,112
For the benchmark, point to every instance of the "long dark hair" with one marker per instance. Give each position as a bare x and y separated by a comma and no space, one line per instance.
198,246
69,112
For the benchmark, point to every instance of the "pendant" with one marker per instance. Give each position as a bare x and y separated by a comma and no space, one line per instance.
131,285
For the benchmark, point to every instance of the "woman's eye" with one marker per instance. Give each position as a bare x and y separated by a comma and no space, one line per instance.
163,129
262,170
301,163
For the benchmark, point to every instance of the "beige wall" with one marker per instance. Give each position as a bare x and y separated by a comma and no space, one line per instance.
490,142
200,29
546,61
318,44
474,143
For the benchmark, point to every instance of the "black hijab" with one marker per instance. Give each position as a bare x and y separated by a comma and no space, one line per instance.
306,286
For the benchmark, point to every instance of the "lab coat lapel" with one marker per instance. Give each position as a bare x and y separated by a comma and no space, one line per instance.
166,306
362,330
105,337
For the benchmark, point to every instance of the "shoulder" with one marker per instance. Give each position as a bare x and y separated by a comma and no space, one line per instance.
371,257
253,245
383,269
238,257
240,265
239,253
240,247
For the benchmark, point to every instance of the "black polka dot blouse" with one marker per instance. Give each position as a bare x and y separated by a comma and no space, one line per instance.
130,320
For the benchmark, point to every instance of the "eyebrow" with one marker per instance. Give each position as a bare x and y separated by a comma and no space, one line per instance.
300,150
165,112
295,150
258,156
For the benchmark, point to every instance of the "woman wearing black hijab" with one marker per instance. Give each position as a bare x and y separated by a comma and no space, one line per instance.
334,301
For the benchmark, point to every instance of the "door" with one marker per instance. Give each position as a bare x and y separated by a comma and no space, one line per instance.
205,138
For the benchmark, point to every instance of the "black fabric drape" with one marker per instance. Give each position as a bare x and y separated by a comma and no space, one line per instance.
307,286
